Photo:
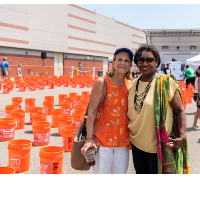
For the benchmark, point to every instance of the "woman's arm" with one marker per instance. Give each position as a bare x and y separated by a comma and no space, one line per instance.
198,86
177,105
94,102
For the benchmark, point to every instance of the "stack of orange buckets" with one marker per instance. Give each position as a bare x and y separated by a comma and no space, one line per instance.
34,82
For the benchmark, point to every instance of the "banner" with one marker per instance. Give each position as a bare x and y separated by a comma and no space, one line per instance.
174,65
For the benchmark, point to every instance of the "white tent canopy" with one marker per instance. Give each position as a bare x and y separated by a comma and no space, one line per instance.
193,61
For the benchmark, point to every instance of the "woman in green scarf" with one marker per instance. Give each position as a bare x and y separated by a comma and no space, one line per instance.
157,123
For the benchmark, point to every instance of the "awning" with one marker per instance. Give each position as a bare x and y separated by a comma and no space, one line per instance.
193,61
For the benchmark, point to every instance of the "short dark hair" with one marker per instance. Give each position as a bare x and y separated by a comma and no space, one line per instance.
148,48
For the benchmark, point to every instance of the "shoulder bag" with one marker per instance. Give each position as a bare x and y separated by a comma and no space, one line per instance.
78,161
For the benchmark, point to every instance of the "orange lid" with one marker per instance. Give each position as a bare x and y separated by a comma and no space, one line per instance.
57,111
19,144
36,109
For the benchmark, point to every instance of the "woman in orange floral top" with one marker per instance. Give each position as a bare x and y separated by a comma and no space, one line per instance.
112,125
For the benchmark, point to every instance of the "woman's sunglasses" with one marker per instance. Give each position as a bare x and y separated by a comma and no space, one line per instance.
148,60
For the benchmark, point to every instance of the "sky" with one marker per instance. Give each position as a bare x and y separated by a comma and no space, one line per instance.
151,16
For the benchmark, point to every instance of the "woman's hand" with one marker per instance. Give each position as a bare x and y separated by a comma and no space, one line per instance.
177,105
88,143
177,142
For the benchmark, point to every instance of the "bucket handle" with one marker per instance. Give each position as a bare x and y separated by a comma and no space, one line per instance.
20,102
19,121
72,135
53,161
31,104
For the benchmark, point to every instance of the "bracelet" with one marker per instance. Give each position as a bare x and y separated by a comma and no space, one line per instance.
90,139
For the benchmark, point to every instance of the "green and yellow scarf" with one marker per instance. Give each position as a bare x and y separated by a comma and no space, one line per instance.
169,161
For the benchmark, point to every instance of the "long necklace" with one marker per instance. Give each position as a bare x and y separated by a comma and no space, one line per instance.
139,99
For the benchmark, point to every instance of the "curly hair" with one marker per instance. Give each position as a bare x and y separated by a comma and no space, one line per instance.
148,48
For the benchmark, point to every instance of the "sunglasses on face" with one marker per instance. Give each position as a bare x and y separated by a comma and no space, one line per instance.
148,60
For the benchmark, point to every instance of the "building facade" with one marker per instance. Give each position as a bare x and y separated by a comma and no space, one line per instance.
180,44
69,35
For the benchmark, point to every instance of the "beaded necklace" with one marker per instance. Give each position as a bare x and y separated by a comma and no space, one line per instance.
139,99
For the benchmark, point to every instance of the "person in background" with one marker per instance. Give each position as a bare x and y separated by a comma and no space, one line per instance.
19,71
190,76
196,98
167,70
4,69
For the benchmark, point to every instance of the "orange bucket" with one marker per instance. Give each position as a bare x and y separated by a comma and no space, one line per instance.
65,83
41,86
41,133
17,101
79,107
19,153
51,85
88,84
51,160
22,87
6,170
6,89
63,120
83,102
19,115
77,118
36,117
7,129
88,97
80,111
66,106
74,84
9,108
62,98
68,137
72,94
81,84
77,100
184,104
32,87
55,113
48,106
52,98
35,110
29,102
184,99
58,84
17,82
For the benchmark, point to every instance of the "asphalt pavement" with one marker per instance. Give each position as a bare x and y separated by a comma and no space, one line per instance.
193,135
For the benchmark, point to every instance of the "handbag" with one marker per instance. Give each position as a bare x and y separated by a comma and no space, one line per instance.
78,161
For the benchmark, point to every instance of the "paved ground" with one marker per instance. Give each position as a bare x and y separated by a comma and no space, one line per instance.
56,140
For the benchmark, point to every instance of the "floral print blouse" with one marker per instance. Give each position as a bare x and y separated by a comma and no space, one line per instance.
112,124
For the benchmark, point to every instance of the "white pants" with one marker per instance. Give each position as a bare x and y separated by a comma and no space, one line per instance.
111,160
